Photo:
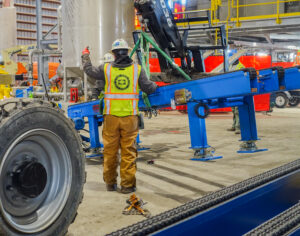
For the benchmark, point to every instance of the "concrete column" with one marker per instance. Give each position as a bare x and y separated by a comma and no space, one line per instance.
7,3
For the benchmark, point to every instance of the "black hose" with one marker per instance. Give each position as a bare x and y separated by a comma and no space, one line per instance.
45,87
206,110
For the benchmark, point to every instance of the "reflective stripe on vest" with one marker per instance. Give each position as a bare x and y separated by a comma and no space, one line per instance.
112,95
122,96
107,104
135,80
108,74
134,105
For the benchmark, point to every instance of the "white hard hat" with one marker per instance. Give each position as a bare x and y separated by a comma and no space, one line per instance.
108,57
120,44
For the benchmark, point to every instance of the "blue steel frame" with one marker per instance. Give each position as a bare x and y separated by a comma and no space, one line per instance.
224,90
91,111
244,212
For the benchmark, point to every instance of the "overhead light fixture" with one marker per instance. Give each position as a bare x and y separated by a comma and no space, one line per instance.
262,54
254,44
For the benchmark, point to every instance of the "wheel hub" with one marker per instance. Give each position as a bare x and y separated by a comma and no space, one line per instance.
30,179
35,180
280,100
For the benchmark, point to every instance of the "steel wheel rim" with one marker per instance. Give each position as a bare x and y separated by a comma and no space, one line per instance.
46,204
280,100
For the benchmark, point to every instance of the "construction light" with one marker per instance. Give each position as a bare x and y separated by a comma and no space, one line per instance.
262,54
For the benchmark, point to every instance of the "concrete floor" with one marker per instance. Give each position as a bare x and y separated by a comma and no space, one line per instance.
174,179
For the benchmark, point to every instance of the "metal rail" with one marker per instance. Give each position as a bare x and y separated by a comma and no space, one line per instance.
287,221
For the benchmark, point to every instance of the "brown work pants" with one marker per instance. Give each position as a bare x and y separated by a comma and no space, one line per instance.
120,132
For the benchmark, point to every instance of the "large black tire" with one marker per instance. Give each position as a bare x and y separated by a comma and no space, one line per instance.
294,101
41,169
281,100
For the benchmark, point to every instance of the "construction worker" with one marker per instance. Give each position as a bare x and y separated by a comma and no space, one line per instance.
121,81
237,65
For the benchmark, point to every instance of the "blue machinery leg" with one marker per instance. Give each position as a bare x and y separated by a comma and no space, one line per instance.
203,152
248,127
139,147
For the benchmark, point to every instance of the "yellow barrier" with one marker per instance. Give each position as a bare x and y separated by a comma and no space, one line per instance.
234,7
276,15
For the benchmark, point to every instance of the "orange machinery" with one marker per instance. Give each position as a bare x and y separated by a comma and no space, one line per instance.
52,70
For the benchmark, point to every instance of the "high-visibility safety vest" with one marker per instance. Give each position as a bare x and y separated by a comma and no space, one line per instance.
121,96
240,66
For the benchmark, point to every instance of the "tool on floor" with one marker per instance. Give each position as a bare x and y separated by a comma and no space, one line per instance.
150,162
135,207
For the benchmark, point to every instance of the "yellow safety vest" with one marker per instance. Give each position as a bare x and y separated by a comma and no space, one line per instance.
121,96
240,66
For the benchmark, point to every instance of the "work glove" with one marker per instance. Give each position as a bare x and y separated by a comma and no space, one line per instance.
86,51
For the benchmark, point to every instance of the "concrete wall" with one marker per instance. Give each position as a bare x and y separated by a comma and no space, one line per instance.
8,35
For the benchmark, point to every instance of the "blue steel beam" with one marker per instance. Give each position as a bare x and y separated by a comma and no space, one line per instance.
220,86
224,90
243,213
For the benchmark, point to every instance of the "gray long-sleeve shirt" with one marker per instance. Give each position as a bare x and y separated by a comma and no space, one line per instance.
97,73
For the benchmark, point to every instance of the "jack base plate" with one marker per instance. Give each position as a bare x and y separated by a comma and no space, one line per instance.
252,151
250,147
140,148
206,158
205,154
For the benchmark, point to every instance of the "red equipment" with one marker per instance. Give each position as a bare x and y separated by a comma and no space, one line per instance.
74,95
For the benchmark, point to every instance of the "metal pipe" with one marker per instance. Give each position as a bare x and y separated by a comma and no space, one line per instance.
40,94
50,31
59,29
39,35
85,83
184,12
65,84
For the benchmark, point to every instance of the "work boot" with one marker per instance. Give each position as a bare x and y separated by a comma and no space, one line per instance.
231,129
111,187
237,131
128,190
